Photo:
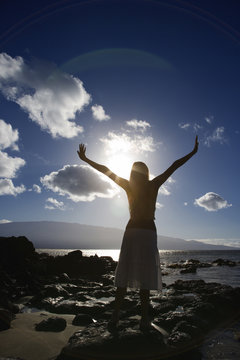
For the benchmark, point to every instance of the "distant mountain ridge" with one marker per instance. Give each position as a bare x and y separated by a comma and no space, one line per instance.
61,235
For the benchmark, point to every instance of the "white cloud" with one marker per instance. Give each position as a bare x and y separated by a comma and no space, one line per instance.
9,165
159,205
8,136
185,203
7,188
51,98
138,124
170,180
79,183
209,119
99,113
37,188
184,126
5,221
197,127
10,67
217,136
212,202
53,204
164,190
124,143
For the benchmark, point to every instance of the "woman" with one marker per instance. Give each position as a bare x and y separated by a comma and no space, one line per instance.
139,262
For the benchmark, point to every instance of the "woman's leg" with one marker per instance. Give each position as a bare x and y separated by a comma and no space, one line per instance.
144,297
119,296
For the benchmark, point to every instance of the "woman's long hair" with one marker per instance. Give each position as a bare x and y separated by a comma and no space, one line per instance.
139,173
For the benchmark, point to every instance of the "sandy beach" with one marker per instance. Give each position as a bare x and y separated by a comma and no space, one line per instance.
23,341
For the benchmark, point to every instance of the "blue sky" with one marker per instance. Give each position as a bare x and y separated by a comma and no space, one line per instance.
133,80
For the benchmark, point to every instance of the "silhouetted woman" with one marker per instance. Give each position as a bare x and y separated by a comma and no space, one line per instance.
139,263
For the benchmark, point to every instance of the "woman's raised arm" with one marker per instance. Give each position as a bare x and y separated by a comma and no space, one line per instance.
102,168
159,180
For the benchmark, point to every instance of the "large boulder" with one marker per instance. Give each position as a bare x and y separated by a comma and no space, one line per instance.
82,320
19,270
127,343
5,319
54,324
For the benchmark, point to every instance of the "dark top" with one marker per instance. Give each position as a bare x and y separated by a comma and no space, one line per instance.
141,224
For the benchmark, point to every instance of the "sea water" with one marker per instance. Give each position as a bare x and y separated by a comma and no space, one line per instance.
220,274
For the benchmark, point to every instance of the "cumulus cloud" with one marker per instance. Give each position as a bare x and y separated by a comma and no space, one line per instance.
138,124
10,67
50,97
37,188
9,165
79,183
5,221
212,202
159,205
7,188
8,136
218,136
99,113
53,204
124,143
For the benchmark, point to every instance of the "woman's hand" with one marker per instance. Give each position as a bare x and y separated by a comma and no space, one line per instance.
81,152
195,149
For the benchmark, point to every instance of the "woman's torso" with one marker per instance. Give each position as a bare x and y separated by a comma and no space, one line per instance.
142,203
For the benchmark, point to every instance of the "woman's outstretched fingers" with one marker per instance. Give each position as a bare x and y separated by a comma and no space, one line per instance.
81,152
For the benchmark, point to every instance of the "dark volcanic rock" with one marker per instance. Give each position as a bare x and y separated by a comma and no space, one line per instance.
74,307
189,266
179,338
126,343
82,320
96,342
5,319
54,290
19,268
187,328
74,255
51,324
76,265
221,262
189,269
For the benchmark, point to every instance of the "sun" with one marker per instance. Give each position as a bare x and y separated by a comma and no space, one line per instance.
120,164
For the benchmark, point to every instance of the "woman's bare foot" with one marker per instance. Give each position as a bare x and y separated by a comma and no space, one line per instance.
145,324
113,322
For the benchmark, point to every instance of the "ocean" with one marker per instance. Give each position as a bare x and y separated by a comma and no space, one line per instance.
220,274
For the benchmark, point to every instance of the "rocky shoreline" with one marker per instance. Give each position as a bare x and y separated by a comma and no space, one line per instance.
184,313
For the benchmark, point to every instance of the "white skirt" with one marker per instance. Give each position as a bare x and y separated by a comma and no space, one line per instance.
139,262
